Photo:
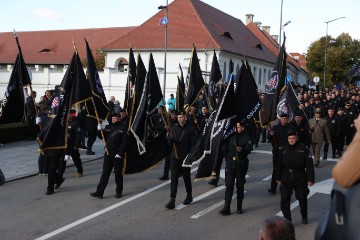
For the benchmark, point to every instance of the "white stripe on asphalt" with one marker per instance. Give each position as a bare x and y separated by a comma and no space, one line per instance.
270,152
262,151
209,209
94,215
181,206
267,178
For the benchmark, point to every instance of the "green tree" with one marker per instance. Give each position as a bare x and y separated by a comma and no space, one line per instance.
99,59
342,53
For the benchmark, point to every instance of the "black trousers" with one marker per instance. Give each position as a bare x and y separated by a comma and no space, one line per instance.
31,129
53,176
176,170
258,133
43,164
334,144
301,192
108,165
223,150
350,132
75,155
275,159
237,173
340,142
91,127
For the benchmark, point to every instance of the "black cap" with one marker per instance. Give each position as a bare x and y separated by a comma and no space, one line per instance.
347,104
173,111
291,133
340,109
181,112
284,115
115,115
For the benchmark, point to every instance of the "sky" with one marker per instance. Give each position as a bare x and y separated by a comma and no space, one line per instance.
307,16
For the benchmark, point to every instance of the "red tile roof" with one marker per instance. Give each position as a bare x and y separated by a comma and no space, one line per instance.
58,44
270,43
194,22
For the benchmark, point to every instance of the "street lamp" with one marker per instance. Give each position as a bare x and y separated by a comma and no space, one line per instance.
326,42
164,21
280,23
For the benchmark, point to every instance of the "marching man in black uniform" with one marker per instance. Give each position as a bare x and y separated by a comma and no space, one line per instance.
115,135
237,165
295,172
184,138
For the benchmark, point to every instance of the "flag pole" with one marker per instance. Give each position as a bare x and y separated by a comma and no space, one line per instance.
101,131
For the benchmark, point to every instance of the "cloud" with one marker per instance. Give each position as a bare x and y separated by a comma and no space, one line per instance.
47,14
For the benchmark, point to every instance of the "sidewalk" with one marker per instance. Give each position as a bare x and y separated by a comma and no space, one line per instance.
20,159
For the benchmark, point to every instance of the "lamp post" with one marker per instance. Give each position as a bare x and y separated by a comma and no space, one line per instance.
280,24
165,50
326,42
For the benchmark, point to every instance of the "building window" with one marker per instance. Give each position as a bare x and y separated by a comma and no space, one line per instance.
264,76
254,72
224,72
122,65
259,82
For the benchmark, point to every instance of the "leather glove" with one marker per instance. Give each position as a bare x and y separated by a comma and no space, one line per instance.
67,158
99,127
117,156
38,120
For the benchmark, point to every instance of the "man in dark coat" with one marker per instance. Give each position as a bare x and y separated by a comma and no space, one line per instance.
237,165
332,122
295,173
115,135
30,110
184,138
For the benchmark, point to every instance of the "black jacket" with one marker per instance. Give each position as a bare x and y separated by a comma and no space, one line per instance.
234,158
185,138
116,138
73,135
295,165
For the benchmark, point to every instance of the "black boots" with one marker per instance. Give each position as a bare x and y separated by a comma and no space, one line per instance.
226,209
188,199
325,156
170,204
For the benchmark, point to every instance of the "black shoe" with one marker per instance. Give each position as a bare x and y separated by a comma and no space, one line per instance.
170,204
89,152
272,191
256,145
96,194
333,156
49,192
84,147
118,195
239,211
213,182
305,220
324,157
163,178
57,185
188,200
316,164
225,210
263,141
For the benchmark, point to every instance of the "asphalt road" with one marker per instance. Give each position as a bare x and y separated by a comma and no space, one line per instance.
27,213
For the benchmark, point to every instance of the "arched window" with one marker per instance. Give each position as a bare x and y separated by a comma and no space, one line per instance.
121,65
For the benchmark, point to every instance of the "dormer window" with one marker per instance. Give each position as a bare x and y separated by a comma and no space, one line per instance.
259,46
46,50
228,35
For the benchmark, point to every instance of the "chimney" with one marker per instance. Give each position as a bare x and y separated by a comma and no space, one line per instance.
258,24
249,18
266,29
275,37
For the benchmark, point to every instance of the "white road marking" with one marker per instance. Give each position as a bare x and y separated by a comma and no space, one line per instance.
267,178
94,215
262,151
181,206
209,209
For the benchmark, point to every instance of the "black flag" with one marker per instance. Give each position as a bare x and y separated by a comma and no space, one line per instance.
273,88
196,81
215,76
138,89
288,103
73,89
96,88
247,97
12,108
129,91
150,98
180,91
